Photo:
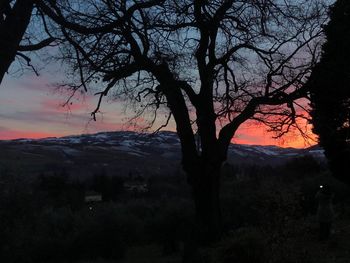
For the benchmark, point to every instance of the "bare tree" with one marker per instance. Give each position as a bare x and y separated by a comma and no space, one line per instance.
213,64
15,17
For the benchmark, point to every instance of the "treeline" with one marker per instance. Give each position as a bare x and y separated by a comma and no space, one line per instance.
47,220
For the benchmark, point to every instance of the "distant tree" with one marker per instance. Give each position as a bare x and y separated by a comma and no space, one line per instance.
15,16
303,165
330,92
212,65
59,190
110,187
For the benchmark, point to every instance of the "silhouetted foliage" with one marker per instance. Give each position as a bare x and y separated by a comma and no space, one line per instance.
246,247
171,226
110,187
59,190
265,217
330,92
303,165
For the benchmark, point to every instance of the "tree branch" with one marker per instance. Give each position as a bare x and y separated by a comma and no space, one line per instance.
37,46
55,14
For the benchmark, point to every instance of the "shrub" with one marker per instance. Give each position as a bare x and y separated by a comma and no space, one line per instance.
168,187
170,224
109,186
246,247
241,205
303,165
64,235
99,240
59,190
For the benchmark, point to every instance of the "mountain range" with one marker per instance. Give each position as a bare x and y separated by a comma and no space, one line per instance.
125,152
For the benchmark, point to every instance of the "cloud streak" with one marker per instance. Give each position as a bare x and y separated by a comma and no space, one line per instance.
31,108
10,134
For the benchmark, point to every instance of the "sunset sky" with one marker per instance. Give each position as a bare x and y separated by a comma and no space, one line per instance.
30,107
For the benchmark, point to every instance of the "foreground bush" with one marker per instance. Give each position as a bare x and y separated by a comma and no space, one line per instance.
247,246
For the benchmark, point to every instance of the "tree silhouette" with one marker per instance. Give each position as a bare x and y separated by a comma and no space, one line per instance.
15,16
212,64
330,91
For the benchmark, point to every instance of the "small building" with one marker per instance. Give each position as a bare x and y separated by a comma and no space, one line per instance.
93,197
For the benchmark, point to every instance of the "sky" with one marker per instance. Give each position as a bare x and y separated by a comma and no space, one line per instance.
31,107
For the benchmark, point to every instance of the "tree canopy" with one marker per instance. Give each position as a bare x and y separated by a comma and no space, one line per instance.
212,65
232,60
330,91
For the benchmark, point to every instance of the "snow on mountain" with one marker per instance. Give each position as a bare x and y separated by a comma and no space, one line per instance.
164,145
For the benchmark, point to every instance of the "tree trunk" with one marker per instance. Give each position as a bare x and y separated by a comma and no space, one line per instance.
12,30
206,195
205,183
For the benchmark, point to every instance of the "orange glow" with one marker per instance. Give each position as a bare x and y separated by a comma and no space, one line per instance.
247,134
50,119
11,135
252,133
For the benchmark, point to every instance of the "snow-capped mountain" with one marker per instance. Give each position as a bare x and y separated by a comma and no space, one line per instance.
125,150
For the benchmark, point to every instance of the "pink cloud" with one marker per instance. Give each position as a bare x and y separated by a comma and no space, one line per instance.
60,105
9,134
6,101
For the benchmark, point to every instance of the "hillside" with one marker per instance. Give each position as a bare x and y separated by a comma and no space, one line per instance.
125,152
